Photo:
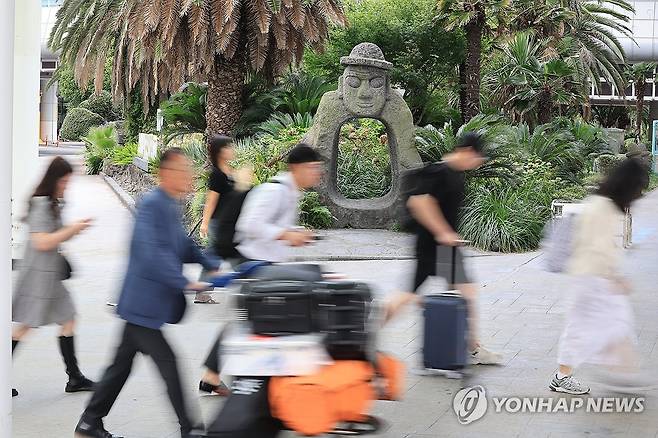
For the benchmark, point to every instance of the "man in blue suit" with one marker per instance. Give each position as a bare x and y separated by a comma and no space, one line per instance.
152,295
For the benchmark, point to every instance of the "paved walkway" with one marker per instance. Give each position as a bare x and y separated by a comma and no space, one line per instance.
522,311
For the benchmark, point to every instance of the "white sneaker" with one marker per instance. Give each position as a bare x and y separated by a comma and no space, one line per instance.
482,356
568,385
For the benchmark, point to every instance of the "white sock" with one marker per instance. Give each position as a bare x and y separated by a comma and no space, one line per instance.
561,376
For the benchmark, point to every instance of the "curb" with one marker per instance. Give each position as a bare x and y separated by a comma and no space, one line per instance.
128,201
123,196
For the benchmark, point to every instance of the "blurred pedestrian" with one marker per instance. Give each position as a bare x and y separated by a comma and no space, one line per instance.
220,183
436,206
41,298
152,295
599,328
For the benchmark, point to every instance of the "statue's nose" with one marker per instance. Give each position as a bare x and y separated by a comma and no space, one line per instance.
365,92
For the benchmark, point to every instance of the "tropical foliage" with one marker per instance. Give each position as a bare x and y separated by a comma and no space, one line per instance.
160,44
100,143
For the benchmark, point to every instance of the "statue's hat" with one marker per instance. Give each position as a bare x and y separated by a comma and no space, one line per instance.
367,54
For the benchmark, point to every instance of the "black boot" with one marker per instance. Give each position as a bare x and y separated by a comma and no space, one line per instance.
77,382
96,430
14,343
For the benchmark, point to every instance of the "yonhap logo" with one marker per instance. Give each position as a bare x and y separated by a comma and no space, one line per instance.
470,404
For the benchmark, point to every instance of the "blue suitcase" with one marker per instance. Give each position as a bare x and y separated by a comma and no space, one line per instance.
445,337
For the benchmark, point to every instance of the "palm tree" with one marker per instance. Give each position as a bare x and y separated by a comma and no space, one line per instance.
476,18
639,73
530,88
160,44
581,31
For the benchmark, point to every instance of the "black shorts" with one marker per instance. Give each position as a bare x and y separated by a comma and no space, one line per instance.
439,264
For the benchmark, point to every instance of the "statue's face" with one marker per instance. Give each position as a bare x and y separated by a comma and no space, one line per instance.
364,90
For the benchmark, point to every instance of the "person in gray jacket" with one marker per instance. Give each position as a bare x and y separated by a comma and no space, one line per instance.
41,298
268,227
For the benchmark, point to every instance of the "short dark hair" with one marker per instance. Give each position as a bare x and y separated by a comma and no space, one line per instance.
471,140
170,154
303,153
625,183
215,144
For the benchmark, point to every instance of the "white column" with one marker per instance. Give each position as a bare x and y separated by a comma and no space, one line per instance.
6,90
48,109
27,71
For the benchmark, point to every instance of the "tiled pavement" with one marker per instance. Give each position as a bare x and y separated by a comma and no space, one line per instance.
522,310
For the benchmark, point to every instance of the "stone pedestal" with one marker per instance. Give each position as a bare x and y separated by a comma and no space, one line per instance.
364,92
616,139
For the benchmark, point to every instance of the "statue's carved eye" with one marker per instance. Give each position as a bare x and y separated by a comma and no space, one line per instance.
377,82
353,81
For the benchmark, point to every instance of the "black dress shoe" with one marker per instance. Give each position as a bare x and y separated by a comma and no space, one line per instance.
87,430
78,384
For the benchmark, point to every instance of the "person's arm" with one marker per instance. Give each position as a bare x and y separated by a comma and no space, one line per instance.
194,254
153,239
49,241
427,211
212,198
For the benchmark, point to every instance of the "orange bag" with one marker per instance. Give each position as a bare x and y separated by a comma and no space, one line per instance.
392,373
313,405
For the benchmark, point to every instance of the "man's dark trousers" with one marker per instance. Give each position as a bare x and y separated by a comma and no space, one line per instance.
151,342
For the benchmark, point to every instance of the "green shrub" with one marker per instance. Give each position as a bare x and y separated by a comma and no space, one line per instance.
509,216
266,154
279,122
605,163
125,154
101,143
102,105
77,123
312,213
185,112
503,218
364,162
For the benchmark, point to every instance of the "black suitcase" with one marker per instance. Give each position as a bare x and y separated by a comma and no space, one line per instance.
343,313
289,271
445,342
278,308
246,413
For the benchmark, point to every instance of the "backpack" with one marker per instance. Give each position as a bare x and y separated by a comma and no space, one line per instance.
557,243
411,180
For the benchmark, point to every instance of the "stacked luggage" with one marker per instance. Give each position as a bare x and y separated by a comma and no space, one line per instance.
288,302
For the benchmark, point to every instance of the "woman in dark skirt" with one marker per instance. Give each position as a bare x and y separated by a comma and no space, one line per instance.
40,297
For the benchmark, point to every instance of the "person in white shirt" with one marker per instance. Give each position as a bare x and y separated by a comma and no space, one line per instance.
599,328
268,227
268,223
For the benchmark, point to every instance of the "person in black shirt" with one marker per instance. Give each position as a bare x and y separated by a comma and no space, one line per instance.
220,183
436,206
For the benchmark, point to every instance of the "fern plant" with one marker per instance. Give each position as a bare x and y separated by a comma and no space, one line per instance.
100,143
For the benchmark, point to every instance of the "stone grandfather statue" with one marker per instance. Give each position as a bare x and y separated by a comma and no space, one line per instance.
364,91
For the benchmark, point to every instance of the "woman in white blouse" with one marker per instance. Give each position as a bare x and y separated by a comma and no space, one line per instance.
599,328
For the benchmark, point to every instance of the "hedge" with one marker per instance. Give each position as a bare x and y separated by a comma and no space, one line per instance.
102,105
77,123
